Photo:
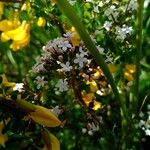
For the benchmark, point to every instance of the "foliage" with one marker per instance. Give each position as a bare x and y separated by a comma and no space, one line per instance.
84,61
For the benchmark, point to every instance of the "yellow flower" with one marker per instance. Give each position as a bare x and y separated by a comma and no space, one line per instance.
97,74
41,22
87,97
129,71
1,8
93,86
20,36
75,39
130,68
97,105
112,68
3,137
11,23
44,117
6,25
16,45
50,141
39,114
5,82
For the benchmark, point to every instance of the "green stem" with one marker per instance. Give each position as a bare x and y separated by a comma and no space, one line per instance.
139,50
77,23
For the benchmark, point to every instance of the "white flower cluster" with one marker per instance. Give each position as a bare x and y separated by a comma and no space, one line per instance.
145,124
65,55
91,128
40,82
62,85
56,111
122,32
132,5
19,87
72,2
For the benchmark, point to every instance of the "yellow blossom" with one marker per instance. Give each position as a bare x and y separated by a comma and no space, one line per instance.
44,117
130,68
5,82
39,114
1,8
93,86
11,23
3,137
97,105
41,22
129,71
97,74
75,38
6,25
112,68
20,36
50,141
88,97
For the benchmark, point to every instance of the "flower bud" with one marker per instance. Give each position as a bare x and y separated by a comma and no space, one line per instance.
51,142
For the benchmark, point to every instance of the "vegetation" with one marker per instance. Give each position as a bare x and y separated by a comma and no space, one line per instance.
74,74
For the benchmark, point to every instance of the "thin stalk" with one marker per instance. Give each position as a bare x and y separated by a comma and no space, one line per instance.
80,28
138,50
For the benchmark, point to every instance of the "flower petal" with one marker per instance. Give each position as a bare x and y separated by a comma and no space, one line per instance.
44,117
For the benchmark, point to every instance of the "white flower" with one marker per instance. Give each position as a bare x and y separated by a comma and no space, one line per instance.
62,85
107,1
93,38
66,67
146,3
53,44
69,34
100,49
141,114
107,25
56,111
147,132
40,82
18,87
89,0
38,67
96,9
72,2
93,127
148,106
100,4
84,130
111,12
122,32
127,29
82,52
90,132
132,5
109,59
80,60
64,45
141,123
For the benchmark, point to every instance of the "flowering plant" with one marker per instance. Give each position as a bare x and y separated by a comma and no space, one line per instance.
93,73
